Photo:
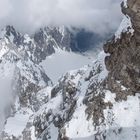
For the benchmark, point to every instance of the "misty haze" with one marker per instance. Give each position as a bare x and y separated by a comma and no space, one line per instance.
69,70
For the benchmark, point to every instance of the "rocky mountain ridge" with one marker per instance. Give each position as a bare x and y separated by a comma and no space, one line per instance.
100,101
123,61
40,45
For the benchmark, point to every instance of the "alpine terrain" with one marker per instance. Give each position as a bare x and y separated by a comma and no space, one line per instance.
44,99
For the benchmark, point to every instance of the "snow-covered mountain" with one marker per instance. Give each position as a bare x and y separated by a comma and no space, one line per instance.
43,43
24,66
19,74
99,101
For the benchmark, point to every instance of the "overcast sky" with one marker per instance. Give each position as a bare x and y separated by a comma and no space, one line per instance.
99,16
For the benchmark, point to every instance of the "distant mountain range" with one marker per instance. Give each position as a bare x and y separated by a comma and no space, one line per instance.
99,101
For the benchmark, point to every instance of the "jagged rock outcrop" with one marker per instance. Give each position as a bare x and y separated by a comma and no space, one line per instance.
77,91
23,54
40,45
124,56
97,102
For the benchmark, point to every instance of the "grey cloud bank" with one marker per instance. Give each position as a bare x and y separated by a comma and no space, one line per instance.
99,16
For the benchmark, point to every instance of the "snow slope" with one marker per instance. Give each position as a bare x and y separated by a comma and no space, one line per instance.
79,106
70,110
62,61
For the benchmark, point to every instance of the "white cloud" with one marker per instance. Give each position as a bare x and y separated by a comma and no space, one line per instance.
29,15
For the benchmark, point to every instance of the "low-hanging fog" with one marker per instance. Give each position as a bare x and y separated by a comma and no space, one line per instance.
29,15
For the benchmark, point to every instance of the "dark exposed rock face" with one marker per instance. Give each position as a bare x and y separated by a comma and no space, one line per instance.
124,56
133,10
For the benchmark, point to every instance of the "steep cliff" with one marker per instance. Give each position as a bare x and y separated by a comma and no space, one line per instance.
124,54
100,101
